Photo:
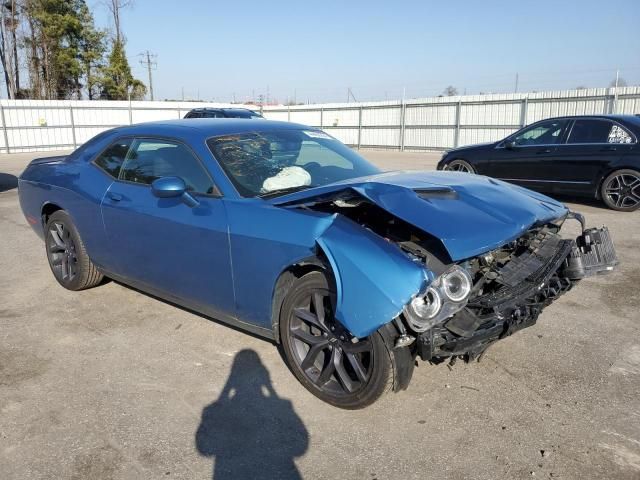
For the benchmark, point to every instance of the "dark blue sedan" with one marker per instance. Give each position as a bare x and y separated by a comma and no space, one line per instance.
281,230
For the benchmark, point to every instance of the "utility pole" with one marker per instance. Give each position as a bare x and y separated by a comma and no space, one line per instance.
149,60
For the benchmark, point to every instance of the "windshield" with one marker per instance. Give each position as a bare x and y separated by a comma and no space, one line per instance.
273,162
242,114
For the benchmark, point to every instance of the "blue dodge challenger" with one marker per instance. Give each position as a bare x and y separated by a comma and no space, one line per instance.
283,231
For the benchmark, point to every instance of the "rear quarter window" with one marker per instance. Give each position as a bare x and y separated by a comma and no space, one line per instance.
110,160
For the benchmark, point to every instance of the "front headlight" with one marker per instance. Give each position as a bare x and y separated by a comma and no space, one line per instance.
447,295
427,305
456,284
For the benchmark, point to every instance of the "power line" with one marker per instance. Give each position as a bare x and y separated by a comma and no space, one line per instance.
149,60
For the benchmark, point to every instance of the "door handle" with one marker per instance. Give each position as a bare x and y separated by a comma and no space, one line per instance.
546,150
116,197
608,149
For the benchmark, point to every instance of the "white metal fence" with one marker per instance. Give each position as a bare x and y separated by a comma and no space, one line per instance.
446,122
29,125
426,123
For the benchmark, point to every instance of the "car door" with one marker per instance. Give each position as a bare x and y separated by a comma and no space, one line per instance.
524,157
162,244
591,145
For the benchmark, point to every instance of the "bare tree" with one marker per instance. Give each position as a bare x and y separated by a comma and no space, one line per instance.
114,6
9,21
450,91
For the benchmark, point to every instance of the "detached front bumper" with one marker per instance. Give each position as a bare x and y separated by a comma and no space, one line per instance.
530,284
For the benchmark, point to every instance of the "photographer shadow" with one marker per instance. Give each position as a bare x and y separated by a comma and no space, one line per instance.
249,430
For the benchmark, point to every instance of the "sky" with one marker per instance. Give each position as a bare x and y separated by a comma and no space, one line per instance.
317,51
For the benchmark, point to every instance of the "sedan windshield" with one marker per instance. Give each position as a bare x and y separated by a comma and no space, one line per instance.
277,162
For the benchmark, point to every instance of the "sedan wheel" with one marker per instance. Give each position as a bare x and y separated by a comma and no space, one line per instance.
621,190
460,166
330,362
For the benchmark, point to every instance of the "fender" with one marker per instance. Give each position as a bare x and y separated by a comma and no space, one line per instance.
374,279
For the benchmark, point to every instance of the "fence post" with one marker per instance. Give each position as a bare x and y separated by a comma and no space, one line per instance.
403,123
321,117
456,138
73,127
359,127
130,112
4,128
523,111
288,113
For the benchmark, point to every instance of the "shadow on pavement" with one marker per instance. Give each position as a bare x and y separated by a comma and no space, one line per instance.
586,201
8,182
249,430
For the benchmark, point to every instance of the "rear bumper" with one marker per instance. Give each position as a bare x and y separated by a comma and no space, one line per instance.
491,317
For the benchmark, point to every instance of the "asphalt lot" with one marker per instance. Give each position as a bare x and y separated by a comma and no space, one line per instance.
110,383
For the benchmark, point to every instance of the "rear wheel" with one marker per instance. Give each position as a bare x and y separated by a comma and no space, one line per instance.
331,363
459,165
67,256
621,190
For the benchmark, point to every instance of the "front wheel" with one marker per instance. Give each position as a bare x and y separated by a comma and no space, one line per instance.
459,165
621,190
336,367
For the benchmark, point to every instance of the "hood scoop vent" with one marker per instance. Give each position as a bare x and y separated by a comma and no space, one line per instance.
437,193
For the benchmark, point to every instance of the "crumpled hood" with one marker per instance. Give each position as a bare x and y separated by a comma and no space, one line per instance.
470,214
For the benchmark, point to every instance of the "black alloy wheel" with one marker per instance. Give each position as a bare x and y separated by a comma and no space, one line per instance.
67,256
621,190
330,362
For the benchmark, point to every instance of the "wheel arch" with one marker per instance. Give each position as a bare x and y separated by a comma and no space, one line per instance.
285,280
48,209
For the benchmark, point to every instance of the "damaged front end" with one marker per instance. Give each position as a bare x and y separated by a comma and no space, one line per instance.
510,287
443,271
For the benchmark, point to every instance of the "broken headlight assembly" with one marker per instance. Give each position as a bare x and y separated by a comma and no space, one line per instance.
445,296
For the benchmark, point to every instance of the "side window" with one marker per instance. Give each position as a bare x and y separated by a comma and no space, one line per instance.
596,131
112,158
151,159
543,133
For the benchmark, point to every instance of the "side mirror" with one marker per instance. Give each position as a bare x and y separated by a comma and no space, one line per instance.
510,145
172,187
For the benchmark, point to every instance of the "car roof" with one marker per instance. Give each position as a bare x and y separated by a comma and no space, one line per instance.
208,127
221,109
629,118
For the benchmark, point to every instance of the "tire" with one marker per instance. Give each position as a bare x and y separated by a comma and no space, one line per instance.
67,255
620,190
323,355
459,165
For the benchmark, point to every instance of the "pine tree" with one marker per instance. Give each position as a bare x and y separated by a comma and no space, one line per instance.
92,49
117,80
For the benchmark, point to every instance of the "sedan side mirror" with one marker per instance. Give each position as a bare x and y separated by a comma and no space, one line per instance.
510,145
172,187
